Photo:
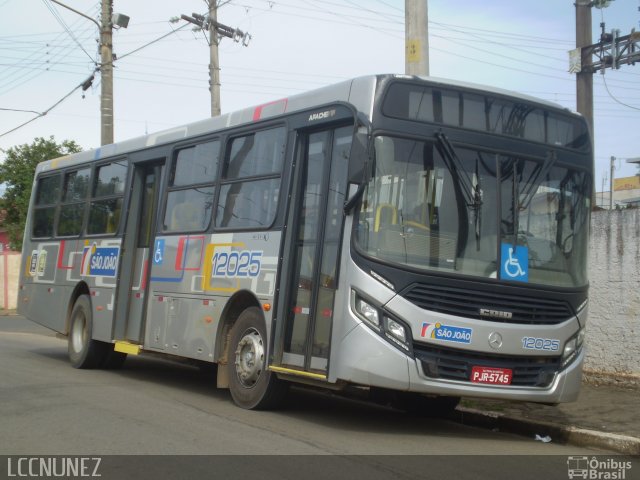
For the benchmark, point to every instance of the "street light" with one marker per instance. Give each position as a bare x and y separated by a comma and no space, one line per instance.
108,20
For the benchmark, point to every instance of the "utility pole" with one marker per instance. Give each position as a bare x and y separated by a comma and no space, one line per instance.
613,172
416,20
584,77
214,60
610,52
216,32
105,29
106,73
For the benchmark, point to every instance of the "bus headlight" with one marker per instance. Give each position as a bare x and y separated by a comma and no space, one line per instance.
396,332
367,312
572,347
391,329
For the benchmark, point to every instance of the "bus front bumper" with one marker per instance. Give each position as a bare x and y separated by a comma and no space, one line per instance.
367,359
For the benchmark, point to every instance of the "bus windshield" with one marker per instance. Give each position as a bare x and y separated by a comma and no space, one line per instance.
431,206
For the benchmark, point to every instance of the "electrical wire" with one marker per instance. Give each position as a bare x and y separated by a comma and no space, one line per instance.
18,110
57,16
80,85
604,79
42,114
173,30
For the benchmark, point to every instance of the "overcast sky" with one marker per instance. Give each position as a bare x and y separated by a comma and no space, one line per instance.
297,45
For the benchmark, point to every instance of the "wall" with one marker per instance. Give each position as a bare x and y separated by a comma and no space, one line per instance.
9,275
613,332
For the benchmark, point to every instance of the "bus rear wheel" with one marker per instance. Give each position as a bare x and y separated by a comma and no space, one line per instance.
84,352
251,384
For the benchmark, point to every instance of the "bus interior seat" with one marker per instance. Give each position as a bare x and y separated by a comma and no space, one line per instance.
386,214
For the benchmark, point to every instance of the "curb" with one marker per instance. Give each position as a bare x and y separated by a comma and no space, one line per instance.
563,434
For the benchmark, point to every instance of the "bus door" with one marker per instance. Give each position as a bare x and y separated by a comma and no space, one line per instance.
136,255
312,250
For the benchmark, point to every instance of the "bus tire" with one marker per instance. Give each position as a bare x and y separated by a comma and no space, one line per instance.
252,386
84,352
113,360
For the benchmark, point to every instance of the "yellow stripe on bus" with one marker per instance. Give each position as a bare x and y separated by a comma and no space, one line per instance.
126,347
291,371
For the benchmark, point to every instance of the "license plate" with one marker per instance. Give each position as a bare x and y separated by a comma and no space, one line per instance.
491,375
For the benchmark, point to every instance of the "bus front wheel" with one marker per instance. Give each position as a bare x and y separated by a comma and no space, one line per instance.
251,384
84,352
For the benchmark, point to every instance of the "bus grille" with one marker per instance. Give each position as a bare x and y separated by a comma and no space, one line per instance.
468,303
453,364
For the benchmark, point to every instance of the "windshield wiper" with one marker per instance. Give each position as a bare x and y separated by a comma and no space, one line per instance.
472,193
531,186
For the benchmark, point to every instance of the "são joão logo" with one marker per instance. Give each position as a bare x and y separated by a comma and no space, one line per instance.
446,333
100,261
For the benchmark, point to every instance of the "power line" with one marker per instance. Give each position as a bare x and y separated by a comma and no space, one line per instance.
18,110
87,82
153,41
46,111
604,79
64,25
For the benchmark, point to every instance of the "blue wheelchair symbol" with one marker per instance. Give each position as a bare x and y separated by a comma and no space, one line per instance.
514,263
158,251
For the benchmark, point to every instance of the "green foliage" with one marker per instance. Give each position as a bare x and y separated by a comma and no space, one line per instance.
17,173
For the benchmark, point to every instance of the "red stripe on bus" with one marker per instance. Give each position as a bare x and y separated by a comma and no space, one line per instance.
145,271
61,257
183,245
257,113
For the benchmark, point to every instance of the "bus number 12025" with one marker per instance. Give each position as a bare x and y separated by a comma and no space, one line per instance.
244,263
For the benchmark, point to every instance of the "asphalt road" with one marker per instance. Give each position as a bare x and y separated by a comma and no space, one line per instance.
156,407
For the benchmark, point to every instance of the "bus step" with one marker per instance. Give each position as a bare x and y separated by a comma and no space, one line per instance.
127,347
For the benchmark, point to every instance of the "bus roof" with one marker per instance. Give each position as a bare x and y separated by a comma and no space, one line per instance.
358,91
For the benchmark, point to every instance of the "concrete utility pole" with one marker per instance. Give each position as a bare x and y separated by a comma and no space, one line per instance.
611,51
106,73
214,60
613,173
216,31
416,24
105,27
584,77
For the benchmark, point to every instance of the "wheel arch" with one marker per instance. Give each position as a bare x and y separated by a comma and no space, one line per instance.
80,289
238,302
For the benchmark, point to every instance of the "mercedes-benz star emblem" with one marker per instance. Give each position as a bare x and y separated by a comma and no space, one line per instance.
495,340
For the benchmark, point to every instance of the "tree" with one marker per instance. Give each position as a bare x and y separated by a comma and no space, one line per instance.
17,174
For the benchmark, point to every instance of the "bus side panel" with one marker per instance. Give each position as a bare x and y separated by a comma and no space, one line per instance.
52,271
192,279
44,298
102,304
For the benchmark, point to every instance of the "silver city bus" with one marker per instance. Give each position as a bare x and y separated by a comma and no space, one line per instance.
418,239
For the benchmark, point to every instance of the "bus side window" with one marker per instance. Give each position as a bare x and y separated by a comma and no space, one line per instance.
47,196
106,205
191,188
251,185
74,194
